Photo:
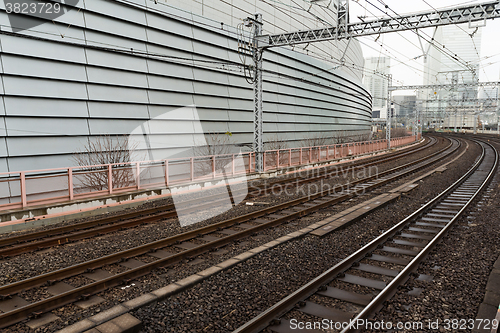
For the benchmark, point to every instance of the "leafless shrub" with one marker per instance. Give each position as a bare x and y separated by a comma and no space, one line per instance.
276,142
395,133
215,144
318,139
105,149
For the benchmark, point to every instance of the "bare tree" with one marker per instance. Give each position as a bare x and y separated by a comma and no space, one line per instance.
105,149
277,142
317,139
395,133
218,145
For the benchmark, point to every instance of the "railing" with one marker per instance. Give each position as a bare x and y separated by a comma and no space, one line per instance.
49,186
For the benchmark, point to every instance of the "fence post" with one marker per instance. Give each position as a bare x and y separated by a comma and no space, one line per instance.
24,201
138,175
277,159
233,165
110,179
213,166
70,183
264,161
192,168
300,156
310,155
290,157
166,172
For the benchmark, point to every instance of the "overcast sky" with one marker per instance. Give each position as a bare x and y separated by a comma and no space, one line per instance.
397,47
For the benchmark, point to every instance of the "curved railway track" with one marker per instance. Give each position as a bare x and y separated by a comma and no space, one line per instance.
405,245
189,244
39,240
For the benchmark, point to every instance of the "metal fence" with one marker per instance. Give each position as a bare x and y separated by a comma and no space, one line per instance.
49,186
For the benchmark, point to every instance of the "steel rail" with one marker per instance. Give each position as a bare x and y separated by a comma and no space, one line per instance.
270,316
14,316
67,234
412,266
112,258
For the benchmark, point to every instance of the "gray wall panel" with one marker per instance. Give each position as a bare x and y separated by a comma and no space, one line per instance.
211,76
210,114
240,116
210,101
118,94
122,12
113,126
38,48
210,89
84,91
113,26
22,106
39,162
97,38
3,168
26,146
238,104
15,85
117,77
2,108
36,127
170,69
160,82
180,28
3,143
180,42
171,98
43,68
120,61
115,110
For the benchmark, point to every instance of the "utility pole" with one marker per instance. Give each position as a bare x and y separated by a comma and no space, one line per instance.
454,82
258,145
347,30
389,112
498,109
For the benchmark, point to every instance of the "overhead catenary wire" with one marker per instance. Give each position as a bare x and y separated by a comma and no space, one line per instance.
442,50
411,59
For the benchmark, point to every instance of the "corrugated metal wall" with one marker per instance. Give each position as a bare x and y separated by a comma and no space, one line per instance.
108,67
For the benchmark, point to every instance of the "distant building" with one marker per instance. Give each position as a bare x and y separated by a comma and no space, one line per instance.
488,92
405,105
452,58
374,79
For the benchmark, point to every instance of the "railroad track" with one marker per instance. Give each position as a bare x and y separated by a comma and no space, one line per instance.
388,261
183,246
39,240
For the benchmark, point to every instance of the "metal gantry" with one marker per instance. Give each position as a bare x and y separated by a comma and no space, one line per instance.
454,102
463,14
346,30
258,145
447,86
389,113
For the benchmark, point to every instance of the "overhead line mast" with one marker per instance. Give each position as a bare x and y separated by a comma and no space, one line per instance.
347,30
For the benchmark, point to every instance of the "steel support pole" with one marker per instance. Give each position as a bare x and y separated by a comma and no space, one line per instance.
389,112
258,145
475,123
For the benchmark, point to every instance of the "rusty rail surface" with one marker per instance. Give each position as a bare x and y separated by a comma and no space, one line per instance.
67,234
455,199
314,202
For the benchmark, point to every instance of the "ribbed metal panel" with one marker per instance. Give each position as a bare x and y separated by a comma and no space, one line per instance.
56,95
